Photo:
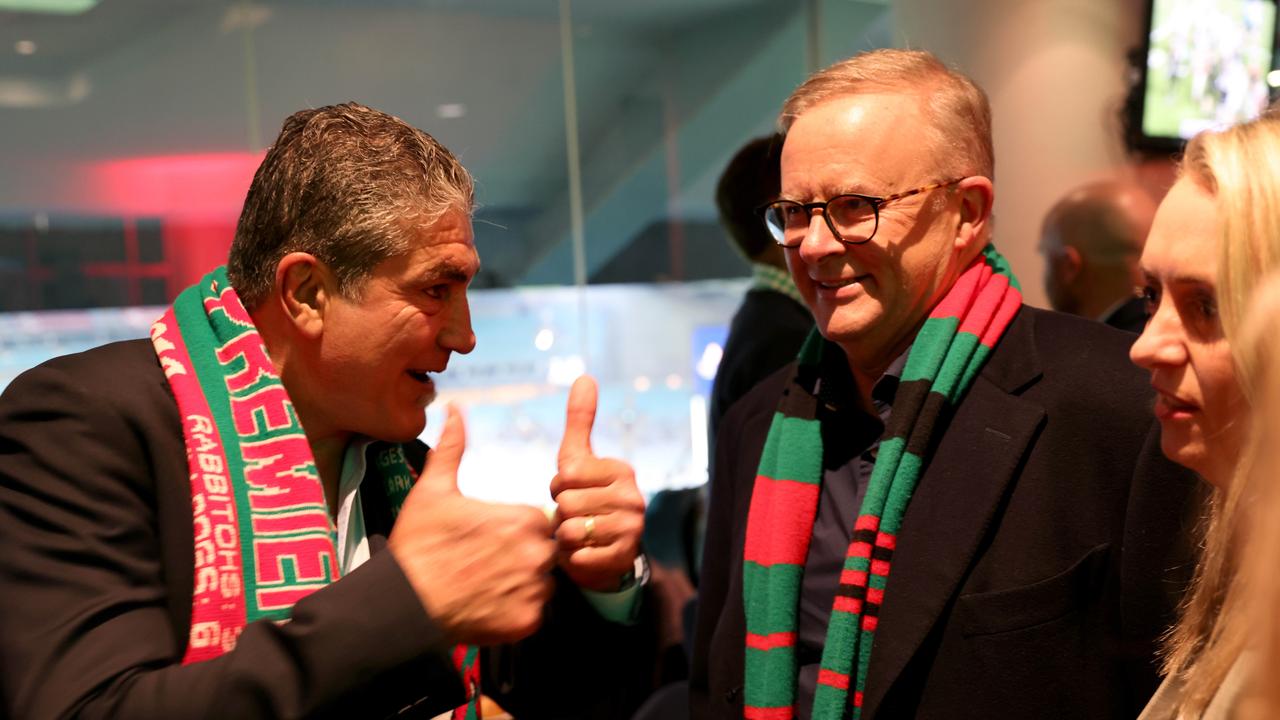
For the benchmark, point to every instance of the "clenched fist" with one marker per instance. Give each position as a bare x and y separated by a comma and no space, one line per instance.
599,508
481,570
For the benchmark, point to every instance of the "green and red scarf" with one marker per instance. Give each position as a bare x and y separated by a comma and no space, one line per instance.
947,354
263,535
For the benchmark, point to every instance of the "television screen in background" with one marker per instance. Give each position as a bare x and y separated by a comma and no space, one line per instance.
1208,63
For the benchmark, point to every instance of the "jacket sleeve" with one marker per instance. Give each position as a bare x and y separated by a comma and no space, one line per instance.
714,582
577,665
87,618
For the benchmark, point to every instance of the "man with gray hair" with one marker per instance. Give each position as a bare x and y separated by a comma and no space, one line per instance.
235,518
950,504
1091,241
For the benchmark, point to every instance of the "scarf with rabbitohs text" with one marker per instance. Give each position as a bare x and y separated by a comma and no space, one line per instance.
263,535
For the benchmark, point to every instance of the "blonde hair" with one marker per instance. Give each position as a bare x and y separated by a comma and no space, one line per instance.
957,108
1259,583
1239,167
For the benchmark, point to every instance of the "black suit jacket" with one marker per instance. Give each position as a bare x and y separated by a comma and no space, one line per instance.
1039,559
1130,315
765,334
96,566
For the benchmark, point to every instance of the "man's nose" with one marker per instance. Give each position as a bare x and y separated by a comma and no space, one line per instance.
818,240
458,335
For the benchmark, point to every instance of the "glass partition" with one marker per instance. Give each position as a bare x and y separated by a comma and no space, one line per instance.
596,131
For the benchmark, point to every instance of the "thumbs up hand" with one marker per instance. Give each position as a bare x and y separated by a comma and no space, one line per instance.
599,508
481,570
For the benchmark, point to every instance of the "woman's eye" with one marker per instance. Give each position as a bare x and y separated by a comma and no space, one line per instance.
1208,307
1200,309
1150,297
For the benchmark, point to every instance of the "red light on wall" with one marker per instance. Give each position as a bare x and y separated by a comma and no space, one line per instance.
205,185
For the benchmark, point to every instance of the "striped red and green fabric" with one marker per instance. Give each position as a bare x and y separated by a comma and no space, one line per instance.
263,534
947,354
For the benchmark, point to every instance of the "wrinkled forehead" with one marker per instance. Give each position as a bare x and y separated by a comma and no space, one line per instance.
445,249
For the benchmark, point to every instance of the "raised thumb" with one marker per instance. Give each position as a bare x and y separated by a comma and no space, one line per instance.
579,417
441,471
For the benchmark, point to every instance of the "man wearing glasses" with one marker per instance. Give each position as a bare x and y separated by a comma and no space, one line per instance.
951,504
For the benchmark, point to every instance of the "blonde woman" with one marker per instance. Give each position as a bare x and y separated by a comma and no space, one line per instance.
1216,234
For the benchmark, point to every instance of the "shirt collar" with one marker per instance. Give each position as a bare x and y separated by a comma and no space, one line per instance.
353,541
887,386
354,464
836,389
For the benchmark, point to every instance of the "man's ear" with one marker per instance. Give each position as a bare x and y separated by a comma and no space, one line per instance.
304,289
1068,265
977,197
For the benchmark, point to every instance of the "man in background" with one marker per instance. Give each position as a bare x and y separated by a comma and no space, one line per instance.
1091,240
772,321
765,334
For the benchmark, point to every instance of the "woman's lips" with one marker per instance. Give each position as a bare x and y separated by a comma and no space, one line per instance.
1170,407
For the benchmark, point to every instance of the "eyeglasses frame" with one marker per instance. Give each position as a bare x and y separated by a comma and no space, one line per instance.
873,200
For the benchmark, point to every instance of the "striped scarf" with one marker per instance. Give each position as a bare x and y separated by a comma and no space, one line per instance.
263,536
946,355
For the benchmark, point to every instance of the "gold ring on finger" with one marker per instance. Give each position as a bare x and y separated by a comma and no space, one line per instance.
589,531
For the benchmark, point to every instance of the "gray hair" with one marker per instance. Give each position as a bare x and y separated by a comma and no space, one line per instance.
957,108
349,185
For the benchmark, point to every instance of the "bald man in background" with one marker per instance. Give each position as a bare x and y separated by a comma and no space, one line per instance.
1091,240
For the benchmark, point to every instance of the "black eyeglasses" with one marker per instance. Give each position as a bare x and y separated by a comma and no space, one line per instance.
852,218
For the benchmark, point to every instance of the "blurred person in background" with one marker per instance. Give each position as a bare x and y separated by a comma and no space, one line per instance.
1091,240
765,334
202,524
1216,236
950,504
772,321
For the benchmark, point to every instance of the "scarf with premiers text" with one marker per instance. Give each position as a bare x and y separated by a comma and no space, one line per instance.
947,354
263,536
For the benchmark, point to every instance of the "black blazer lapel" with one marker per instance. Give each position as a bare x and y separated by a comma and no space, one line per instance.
953,506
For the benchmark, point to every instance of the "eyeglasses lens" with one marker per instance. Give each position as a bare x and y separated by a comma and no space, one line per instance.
853,217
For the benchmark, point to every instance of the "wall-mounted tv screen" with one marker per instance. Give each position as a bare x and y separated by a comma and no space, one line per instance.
1208,63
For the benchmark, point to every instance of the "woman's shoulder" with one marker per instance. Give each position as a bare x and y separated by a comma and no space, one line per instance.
1224,705
1164,704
